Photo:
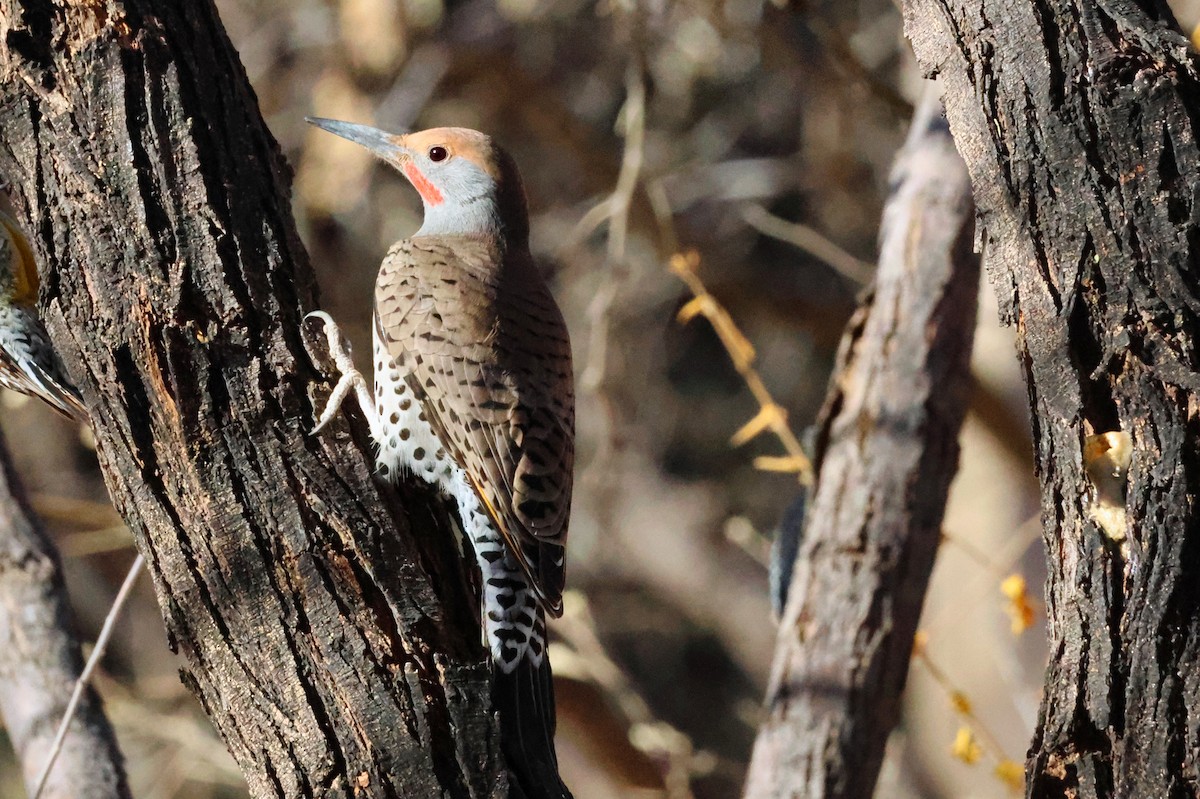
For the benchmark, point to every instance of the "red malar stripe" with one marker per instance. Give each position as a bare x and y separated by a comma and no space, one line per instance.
429,192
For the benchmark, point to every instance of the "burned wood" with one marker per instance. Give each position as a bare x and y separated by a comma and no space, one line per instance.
324,623
1078,123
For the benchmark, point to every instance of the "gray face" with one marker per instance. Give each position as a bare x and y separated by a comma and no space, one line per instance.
468,206
452,169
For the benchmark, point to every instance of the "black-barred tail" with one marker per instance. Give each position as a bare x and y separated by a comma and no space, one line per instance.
524,698
513,621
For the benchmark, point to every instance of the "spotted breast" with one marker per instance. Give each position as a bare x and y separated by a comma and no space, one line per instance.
473,390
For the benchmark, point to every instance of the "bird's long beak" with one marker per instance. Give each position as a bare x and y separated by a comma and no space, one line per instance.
383,144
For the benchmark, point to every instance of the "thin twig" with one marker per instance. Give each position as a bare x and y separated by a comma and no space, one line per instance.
617,212
1005,766
1006,561
660,204
974,553
589,223
958,699
771,415
82,682
810,241
648,733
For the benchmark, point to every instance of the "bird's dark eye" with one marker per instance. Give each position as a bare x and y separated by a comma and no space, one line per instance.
437,154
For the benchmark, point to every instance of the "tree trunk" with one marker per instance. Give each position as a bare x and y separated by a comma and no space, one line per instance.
40,662
887,449
327,630
1078,122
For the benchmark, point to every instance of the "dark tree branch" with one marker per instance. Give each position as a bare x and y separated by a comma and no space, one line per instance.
334,648
40,662
1079,123
887,449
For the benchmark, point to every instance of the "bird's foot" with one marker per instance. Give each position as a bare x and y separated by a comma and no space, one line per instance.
351,379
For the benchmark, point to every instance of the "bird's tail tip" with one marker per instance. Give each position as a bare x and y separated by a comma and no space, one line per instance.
524,698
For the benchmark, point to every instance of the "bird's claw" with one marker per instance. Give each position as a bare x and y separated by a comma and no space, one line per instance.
350,379
339,348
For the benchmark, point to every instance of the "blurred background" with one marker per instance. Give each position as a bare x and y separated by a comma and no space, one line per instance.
759,134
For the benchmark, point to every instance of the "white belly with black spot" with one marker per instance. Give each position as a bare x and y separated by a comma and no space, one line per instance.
407,441
512,621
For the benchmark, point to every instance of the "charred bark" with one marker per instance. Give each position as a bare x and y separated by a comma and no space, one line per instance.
324,624
887,449
1078,122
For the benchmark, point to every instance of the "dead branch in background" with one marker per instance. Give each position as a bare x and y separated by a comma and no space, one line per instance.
808,239
40,662
887,449
83,681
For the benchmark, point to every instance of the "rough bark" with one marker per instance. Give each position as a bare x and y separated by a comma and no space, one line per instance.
1078,122
886,451
325,626
40,661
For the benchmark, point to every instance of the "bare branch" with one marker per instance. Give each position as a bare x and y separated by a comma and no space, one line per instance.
810,241
40,661
886,451
84,679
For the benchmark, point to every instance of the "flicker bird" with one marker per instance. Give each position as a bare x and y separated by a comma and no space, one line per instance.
28,362
473,382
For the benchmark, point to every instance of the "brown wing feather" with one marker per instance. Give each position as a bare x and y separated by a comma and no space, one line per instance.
488,357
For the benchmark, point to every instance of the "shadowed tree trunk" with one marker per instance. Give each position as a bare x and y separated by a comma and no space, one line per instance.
1078,122
334,648
40,662
886,451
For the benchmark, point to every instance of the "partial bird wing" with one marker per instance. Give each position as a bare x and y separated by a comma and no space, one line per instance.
488,357
18,255
28,362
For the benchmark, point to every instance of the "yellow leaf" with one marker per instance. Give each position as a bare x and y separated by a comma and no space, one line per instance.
1019,608
920,641
965,747
1013,587
960,702
1021,618
1011,773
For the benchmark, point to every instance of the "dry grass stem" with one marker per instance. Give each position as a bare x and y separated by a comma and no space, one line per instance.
965,745
93,660
771,416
